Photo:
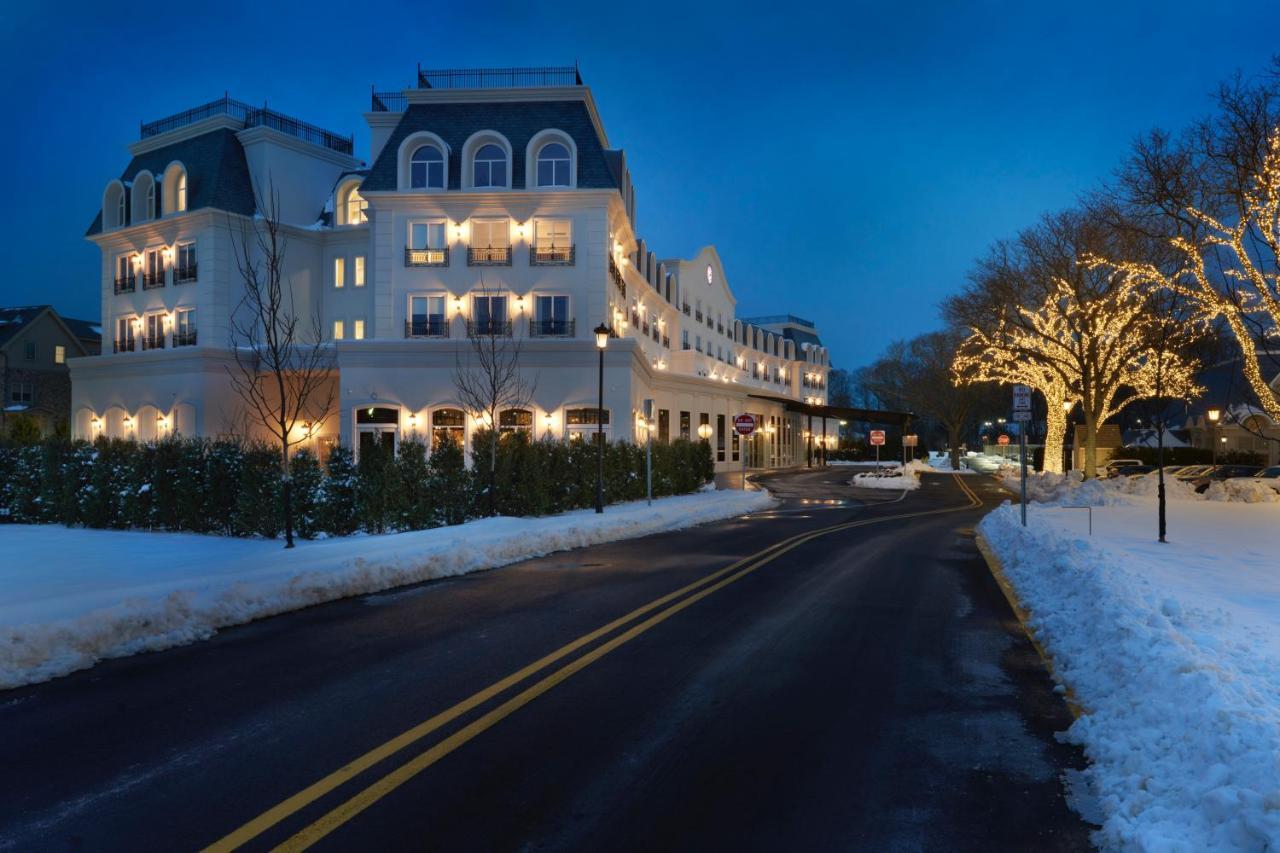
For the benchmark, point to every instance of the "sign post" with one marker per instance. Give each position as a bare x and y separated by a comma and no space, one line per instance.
911,441
1022,417
876,437
744,425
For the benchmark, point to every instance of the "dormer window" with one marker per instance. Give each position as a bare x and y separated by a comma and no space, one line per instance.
426,168
490,167
173,189
114,206
351,207
180,191
553,165
144,197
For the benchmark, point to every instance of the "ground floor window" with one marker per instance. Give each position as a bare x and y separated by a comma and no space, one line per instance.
511,420
448,425
684,426
377,428
734,440
664,425
720,438
584,422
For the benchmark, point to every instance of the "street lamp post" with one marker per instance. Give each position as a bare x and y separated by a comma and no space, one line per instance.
1067,406
1213,415
602,341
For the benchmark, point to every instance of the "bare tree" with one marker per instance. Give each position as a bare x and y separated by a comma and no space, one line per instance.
488,378
283,370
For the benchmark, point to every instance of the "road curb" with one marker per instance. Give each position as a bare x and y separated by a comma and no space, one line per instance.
1024,618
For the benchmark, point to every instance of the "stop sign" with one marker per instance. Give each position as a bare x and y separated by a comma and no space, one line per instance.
1002,440
877,437
744,424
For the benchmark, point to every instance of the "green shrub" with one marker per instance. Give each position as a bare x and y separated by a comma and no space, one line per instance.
450,483
338,494
306,480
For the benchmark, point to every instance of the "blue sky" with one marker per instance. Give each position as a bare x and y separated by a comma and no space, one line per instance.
849,161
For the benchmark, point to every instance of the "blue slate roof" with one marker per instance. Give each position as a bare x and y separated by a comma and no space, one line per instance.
518,121
217,172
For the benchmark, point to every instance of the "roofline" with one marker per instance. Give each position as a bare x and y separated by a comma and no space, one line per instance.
48,309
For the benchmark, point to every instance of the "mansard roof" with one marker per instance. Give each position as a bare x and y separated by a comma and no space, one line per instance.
217,172
518,121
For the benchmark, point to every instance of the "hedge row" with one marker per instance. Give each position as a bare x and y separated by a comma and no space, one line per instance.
233,489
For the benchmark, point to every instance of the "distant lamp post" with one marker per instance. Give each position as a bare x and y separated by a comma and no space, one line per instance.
704,432
602,341
1213,415
1067,406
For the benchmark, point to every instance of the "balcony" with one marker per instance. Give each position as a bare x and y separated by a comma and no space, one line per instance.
431,327
426,257
615,275
152,280
666,341
152,341
184,339
697,315
685,308
551,256
488,328
489,257
551,328
122,346
720,328
126,285
182,275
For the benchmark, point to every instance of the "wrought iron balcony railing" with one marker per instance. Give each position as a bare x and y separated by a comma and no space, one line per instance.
152,280
152,341
432,327
426,257
686,309
551,328
184,339
126,285
615,275
552,256
122,346
488,328
666,341
489,257
182,275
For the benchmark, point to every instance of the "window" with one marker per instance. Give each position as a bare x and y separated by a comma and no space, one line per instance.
153,269
185,263
552,241
426,168
684,339
376,429
120,210
490,241
59,354
153,331
339,272
339,329
489,315
427,245
21,392
734,445
664,425
125,282
553,165
720,438
29,350
426,317
448,425
515,420
149,205
490,167
180,193
552,316
357,330
124,334
359,271
184,327
355,208
697,342
684,425
584,422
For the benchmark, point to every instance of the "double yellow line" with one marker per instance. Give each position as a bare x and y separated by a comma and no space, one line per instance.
656,611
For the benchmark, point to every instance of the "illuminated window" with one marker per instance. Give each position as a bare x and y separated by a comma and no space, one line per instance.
553,165
59,354
515,420
426,168
355,208
339,329
359,271
448,425
339,272
357,330
181,192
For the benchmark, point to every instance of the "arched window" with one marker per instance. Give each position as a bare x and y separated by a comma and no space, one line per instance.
426,168
553,165
448,425
114,210
173,189
585,423
180,191
351,207
144,197
490,167
150,207
515,420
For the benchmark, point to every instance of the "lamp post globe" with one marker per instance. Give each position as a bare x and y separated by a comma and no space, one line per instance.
602,341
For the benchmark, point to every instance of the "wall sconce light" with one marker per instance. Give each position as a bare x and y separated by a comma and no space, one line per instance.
96,423
457,232
413,421
546,420
522,230
520,302
128,422
457,304
137,260
167,254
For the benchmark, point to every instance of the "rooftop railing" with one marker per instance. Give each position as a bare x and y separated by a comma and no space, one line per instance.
252,117
497,78
388,102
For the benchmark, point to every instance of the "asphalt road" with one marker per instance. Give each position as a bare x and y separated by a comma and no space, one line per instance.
866,688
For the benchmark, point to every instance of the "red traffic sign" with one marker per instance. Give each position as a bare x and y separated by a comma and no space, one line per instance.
877,437
1002,440
744,424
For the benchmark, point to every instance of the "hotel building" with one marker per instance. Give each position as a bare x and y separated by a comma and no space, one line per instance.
493,203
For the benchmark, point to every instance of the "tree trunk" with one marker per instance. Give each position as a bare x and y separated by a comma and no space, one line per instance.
287,494
953,438
493,466
1090,444
1054,437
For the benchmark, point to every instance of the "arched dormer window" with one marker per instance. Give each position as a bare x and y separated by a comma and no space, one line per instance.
553,165
426,168
174,188
351,207
144,197
489,167
114,209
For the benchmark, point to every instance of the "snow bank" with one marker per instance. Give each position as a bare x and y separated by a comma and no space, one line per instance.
1242,490
1174,652
73,597
1071,489
903,479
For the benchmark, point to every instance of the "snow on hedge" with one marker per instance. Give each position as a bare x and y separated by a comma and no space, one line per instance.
73,597
1174,652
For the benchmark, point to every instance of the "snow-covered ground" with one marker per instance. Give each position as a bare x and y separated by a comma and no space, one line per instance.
1172,650
896,477
72,597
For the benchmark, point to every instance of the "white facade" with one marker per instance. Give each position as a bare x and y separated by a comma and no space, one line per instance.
500,206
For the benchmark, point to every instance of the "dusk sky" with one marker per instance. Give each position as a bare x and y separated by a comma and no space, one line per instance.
848,163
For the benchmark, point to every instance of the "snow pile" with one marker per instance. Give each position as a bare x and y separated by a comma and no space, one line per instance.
73,597
1174,652
1071,489
1243,490
898,477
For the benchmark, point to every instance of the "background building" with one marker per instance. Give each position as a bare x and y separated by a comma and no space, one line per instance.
35,346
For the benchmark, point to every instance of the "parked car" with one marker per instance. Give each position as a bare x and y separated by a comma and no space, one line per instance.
1222,472
1132,470
1190,472
1267,476
1115,464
